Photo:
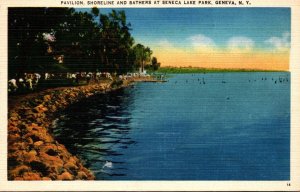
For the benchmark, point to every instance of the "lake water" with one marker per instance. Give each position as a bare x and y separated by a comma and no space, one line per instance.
214,126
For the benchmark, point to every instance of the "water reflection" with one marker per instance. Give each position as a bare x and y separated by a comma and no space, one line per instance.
214,126
96,129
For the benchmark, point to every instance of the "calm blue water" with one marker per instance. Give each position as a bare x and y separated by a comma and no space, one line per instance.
214,126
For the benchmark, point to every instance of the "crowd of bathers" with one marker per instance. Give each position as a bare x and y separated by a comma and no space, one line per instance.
30,81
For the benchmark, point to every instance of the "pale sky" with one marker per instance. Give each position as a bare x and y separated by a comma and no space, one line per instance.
256,38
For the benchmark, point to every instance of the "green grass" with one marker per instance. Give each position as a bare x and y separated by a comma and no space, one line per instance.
206,70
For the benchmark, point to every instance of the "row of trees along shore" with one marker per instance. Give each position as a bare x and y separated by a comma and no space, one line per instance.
64,40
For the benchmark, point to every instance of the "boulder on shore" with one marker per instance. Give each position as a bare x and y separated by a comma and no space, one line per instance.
33,153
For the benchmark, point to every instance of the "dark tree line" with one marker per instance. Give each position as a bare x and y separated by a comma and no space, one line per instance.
61,40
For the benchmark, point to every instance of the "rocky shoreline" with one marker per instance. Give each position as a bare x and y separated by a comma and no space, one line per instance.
33,153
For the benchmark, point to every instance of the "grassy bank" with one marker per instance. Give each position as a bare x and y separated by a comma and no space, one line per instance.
206,70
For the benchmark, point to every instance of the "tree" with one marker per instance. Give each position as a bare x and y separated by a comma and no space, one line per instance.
143,56
116,41
24,47
27,50
37,36
154,64
77,40
95,11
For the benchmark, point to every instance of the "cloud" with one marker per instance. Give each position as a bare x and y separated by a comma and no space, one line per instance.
201,41
279,43
240,44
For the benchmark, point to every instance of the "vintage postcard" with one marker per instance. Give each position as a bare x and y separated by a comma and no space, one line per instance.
150,95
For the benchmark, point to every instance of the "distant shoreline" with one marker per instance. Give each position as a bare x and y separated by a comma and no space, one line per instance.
209,70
